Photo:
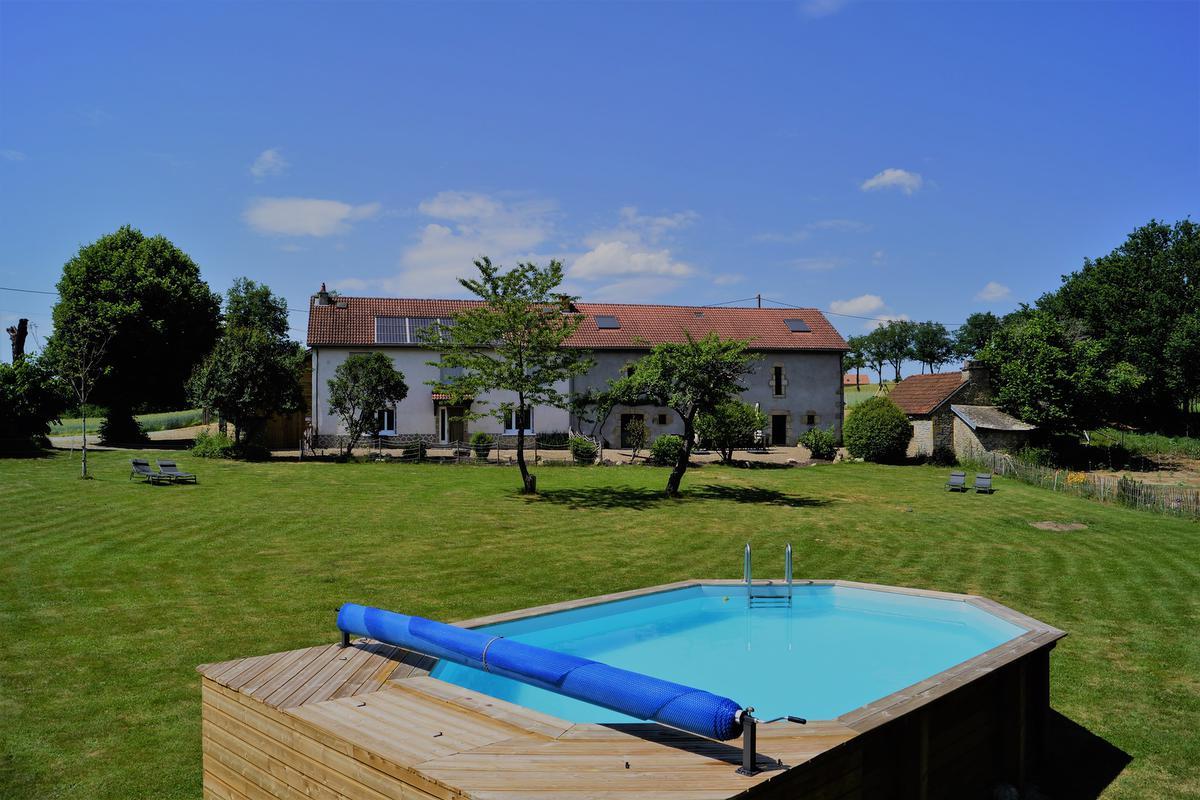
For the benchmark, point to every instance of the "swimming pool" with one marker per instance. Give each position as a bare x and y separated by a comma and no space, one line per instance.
833,649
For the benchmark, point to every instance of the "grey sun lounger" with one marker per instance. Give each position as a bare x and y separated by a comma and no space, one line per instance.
173,472
141,469
983,483
957,482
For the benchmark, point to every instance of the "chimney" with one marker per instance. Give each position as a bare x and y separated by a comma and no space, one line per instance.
564,303
975,372
323,297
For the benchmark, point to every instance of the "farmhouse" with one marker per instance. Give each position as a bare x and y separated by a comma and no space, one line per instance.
952,411
797,383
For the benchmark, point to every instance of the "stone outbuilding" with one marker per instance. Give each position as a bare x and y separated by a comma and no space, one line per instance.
952,411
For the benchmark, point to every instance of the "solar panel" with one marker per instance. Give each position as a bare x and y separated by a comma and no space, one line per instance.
797,325
391,330
607,322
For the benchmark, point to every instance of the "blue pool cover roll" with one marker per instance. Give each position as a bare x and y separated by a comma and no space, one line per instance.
630,693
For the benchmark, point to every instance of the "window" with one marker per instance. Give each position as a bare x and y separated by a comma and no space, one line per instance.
797,326
629,371
447,374
510,421
607,322
810,419
386,422
777,381
662,419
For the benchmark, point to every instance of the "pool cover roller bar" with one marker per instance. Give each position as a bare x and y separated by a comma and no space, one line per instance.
630,693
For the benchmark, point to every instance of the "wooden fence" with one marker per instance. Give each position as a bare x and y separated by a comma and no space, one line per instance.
1180,501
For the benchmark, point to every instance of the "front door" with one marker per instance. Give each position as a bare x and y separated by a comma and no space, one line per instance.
632,430
449,428
458,426
779,429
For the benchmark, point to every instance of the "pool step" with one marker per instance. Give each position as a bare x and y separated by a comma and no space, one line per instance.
771,600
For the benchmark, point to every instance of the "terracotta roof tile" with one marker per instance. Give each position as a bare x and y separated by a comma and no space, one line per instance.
641,326
921,394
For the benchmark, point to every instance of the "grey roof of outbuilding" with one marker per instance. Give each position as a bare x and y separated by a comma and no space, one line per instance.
989,418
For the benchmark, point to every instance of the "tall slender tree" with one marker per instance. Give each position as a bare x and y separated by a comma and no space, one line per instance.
511,343
932,345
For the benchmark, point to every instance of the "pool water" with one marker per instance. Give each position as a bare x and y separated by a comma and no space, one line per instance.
835,649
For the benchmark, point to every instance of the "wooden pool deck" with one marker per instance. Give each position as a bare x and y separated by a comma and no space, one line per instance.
367,722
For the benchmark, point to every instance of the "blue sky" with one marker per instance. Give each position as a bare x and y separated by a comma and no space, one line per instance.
920,160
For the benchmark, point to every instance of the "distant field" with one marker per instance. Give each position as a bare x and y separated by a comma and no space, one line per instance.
856,394
159,421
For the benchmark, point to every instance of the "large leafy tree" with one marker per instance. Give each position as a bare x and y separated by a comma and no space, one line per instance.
254,369
693,377
140,301
31,397
1047,376
1139,304
730,425
894,342
512,342
974,334
932,345
362,385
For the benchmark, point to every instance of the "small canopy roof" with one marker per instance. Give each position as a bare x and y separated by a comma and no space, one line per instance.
989,418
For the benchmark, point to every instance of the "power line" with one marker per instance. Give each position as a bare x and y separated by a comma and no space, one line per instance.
55,294
825,311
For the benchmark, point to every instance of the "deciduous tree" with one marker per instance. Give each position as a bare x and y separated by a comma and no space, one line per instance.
512,343
693,378
361,386
730,425
932,345
143,299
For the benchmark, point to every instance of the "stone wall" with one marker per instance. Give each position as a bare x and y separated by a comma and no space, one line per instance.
922,441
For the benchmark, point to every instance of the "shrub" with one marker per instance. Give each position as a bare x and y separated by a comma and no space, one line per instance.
730,425
583,450
666,450
481,443
553,439
213,445
822,444
877,430
415,450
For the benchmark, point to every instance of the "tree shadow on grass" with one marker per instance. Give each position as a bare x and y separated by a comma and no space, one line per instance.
640,498
1079,765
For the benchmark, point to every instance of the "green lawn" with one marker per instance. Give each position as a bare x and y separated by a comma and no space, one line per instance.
158,421
113,591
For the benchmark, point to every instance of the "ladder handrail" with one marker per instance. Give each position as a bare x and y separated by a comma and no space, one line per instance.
787,566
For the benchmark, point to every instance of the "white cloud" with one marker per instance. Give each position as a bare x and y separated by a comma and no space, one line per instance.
12,155
728,278
878,257
806,232
303,216
893,178
822,8
635,247
269,162
883,320
469,225
622,258
993,291
632,290
816,264
859,306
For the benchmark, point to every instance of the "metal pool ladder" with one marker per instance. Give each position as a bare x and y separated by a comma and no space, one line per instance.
772,599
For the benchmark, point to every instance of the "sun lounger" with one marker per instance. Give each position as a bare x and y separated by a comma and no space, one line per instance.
957,482
141,469
983,483
174,474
